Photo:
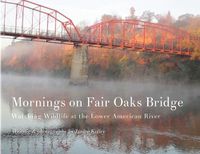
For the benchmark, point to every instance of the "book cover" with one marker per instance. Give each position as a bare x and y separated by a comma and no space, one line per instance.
100,77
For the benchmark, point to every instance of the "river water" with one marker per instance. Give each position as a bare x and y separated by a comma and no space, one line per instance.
101,132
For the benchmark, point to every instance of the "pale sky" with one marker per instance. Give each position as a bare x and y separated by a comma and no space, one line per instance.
92,10
89,11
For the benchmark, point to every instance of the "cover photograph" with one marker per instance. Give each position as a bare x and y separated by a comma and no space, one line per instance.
100,76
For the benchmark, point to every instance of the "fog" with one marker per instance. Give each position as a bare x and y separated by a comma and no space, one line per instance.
36,87
115,87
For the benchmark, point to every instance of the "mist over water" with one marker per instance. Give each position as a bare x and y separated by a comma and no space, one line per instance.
179,129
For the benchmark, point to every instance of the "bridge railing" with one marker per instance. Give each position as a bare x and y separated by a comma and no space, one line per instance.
169,46
36,33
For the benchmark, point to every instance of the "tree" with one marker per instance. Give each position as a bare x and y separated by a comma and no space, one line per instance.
107,17
166,19
147,16
184,20
114,67
196,53
132,13
194,28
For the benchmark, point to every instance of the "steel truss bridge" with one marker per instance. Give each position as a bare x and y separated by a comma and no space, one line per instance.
33,21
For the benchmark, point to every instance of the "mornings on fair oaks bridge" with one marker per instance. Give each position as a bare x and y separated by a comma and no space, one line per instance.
99,103
100,76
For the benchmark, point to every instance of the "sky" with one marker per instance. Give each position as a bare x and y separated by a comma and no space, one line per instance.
89,11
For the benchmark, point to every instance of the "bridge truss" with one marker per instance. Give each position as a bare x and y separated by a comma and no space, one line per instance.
37,22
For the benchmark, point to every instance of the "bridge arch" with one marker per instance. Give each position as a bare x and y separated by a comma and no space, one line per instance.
140,35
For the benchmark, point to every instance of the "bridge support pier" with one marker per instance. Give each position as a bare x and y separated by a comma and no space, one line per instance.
79,66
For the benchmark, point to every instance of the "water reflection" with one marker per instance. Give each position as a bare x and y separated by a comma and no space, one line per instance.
174,132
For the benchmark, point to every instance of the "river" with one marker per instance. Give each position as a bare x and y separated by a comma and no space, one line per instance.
98,128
